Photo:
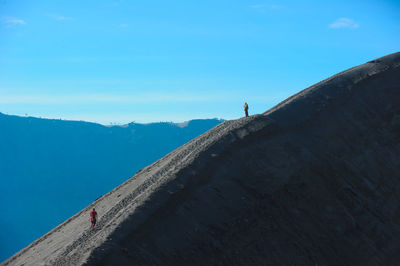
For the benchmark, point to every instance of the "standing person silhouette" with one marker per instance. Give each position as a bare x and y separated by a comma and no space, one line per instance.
93,216
246,109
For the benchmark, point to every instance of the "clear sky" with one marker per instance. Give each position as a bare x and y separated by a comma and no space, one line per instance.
147,61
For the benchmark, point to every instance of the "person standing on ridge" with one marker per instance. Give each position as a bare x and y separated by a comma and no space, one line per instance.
93,216
246,109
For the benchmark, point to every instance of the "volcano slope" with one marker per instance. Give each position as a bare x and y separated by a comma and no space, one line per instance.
314,180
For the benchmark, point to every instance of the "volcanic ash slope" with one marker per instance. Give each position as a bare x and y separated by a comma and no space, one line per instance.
314,180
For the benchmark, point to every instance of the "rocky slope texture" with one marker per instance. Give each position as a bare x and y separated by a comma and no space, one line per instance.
314,180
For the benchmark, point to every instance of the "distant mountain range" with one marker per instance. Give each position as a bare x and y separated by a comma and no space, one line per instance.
50,169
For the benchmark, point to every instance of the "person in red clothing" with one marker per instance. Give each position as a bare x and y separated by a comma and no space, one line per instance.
93,216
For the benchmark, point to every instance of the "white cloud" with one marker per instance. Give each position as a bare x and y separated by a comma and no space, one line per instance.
16,21
11,21
344,23
59,17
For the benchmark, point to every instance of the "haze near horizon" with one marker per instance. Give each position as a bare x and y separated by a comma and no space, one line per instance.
123,61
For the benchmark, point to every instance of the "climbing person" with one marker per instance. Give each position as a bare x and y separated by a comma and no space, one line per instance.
246,109
93,216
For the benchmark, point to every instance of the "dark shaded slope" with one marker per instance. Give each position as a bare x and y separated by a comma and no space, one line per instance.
317,184
312,181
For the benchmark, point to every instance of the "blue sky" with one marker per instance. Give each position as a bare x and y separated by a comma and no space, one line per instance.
148,61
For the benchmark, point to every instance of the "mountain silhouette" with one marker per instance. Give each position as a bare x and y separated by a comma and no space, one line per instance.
312,181
50,169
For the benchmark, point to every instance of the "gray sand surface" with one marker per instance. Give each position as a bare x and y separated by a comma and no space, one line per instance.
311,181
